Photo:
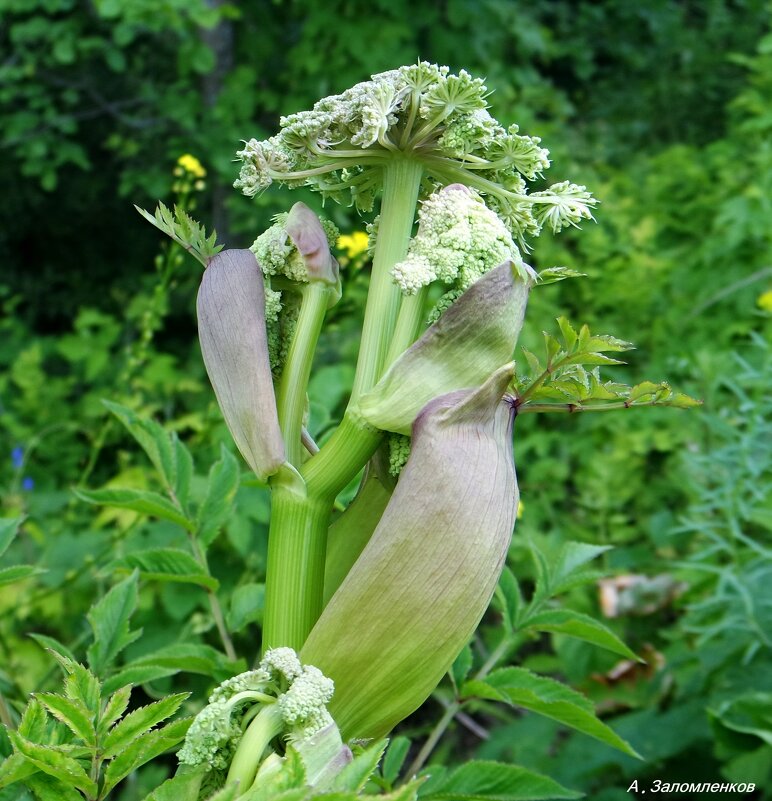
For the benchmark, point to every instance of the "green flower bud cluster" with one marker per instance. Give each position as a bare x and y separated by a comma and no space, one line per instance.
294,251
282,698
278,255
459,240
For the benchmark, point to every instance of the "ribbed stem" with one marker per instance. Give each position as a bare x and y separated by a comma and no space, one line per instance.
294,585
401,182
408,327
291,400
343,455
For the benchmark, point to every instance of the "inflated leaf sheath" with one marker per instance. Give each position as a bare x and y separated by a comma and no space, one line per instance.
234,344
417,592
476,335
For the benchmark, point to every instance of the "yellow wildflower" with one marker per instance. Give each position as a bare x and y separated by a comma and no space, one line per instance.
520,507
192,165
354,244
764,301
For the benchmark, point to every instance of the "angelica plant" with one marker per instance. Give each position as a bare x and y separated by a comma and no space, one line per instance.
383,600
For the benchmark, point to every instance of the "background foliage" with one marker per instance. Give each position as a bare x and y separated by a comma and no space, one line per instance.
661,107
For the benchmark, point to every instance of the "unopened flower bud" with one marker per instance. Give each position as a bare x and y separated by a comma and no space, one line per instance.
234,344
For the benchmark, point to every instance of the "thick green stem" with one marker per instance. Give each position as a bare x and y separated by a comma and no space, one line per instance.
291,398
301,507
297,542
411,316
266,725
401,181
343,455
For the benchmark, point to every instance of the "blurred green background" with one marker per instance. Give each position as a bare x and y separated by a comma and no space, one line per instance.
662,108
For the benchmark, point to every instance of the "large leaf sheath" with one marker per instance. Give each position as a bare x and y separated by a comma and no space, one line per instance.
417,592
234,344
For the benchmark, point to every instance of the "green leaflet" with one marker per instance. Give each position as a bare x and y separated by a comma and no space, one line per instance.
583,627
142,501
474,337
109,619
426,576
491,781
9,527
167,564
545,697
234,344
169,456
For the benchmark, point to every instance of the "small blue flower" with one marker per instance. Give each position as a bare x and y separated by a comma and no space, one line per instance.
17,457
27,484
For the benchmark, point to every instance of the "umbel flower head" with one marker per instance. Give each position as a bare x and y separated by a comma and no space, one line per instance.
434,117
282,698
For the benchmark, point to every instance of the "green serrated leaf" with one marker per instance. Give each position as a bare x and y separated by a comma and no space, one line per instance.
116,705
147,503
140,721
605,391
554,274
73,713
183,472
680,400
585,357
144,748
47,788
53,762
10,575
534,365
557,391
182,787
461,666
407,792
513,599
569,335
580,626
605,342
109,620
52,644
355,775
546,697
395,757
33,723
494,781
170,457
151,436
221,490
246,606
571,557
138,675
643,390
184,230
182,656
15,768
9,528
543,573
167,564
551,347
80,683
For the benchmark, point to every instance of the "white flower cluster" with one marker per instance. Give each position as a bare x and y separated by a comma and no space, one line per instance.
459,239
